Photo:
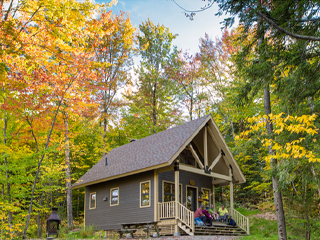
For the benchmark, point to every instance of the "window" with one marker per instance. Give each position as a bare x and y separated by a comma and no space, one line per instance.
186,157
114,196
206,197
169,191
92,201
145,200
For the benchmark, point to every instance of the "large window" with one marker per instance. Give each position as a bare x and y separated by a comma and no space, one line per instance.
145,200
186,157
92,201
114,196
168,191
206,197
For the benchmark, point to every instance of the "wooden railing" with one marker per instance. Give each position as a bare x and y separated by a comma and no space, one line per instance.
177,211
166,210
186,216
241,220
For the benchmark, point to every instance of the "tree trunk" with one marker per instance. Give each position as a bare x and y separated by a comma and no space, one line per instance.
154,107
282,233
38,171
39,230
10,220
68,175
191,107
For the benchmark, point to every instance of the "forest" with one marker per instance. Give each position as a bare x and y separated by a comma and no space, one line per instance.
70,91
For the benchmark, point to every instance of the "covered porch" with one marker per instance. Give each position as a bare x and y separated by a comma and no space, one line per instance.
210,160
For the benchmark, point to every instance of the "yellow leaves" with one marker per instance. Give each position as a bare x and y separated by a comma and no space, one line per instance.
295,129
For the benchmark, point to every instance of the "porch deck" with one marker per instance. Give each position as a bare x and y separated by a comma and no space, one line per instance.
184,220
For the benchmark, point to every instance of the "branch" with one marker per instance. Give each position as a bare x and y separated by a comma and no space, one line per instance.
193,12
297,36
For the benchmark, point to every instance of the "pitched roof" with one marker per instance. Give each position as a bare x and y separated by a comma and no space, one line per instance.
150,151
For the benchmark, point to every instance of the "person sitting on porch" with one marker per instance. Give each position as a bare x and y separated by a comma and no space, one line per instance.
208,217
213,213
223,213
199,214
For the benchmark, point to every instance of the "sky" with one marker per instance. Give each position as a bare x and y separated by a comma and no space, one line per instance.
167,13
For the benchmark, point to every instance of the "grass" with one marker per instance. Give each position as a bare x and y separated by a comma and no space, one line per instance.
261,228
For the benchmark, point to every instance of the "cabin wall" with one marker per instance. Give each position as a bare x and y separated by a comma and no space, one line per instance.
106,217
184,179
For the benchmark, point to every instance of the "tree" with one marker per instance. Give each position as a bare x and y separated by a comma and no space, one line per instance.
113,52
152,106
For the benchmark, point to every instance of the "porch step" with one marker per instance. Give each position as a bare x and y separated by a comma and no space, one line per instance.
186,229
224,230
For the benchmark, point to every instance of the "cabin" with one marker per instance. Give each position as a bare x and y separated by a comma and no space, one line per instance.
163,178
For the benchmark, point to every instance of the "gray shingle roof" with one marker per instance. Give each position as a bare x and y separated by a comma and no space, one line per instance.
150,151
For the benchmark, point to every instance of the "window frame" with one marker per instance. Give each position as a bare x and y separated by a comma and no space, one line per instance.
140,186
95,201
181,188
111,189
209,195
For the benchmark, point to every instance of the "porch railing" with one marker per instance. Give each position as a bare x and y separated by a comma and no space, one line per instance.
166,210
186,216
241,220
175,210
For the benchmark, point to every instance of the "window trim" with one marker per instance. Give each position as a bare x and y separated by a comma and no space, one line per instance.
209,194
111,205
95,201
140,185
180,185
196,192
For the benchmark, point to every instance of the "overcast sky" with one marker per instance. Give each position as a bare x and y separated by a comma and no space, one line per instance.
167,13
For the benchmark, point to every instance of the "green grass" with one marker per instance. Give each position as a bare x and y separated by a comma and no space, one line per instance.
267,229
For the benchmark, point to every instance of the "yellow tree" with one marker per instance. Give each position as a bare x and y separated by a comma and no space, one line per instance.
44,59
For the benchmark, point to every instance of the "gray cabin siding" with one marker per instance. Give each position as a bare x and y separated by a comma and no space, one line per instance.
184,179
106,217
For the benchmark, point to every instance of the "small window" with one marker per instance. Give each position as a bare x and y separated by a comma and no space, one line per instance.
145,200
206,197
169,192
114,192
92,202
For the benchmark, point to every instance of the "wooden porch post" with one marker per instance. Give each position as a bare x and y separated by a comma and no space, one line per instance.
84,210
213,197
231,192
156,194
176,196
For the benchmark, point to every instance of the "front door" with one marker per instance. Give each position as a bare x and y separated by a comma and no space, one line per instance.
192,198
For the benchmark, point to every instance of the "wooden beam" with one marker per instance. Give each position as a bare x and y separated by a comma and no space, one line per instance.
213,138
215,161
220,176
195,155
189,139
176,198
231,192
165,169
84,210
218,181
156,194
201,172
205,149
213,197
